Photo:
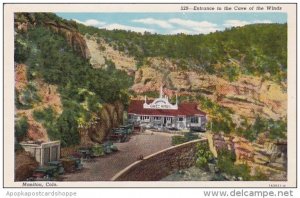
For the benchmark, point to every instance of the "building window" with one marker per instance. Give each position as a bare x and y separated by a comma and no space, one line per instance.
194,119
129,116
156,118
144,117
180,119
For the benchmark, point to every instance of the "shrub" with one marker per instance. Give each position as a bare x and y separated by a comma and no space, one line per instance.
190,136
151,94
64,127
178,140
276,129
27,97
226,165
22,50
204,156
21,127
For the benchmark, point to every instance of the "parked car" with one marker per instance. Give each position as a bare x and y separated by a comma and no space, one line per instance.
58,165
45,173
109,147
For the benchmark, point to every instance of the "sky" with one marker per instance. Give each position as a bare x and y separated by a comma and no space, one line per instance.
173,23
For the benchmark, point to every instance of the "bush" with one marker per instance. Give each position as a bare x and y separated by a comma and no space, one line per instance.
204,156
67,129
226,165
64,127
178,140
151,94
22,50
222,121
276,129
190,136
45,115
21,127
262,46
28,97
70,73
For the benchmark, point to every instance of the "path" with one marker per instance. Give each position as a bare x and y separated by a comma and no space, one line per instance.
104,168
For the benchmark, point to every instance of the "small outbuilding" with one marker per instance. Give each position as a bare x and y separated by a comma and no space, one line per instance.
43,152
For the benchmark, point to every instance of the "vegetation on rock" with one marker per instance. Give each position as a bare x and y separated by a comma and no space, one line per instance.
258,49
204,156
82,88
21,127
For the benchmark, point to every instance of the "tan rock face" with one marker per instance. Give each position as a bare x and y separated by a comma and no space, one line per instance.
268,158
20,77
36,131
111,116
100,51
147,79
73,37
247,97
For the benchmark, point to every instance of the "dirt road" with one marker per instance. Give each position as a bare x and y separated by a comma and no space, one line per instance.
104,168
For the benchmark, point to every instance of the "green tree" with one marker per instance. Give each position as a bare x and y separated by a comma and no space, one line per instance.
21,127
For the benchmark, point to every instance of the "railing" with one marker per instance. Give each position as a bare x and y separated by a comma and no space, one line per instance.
161,164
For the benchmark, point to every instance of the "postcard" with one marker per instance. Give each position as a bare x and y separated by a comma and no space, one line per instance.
150,95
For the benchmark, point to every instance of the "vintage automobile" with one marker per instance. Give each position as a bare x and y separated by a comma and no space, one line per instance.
119,135
58,165
128,129
44,173
78,164
109,147
86,152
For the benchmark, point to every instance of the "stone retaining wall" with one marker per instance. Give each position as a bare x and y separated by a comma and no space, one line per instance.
161,164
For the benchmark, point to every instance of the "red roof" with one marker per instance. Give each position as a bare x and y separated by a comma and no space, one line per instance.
187,109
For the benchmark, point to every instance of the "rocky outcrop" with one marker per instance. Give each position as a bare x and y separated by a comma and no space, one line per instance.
247,96
48,96
24,21
73,37
268,158
25,164
102,52
111,116
147,79
20,77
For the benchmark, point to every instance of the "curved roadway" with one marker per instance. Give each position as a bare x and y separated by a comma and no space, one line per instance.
104,168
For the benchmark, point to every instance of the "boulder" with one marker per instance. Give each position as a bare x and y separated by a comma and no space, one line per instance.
25,164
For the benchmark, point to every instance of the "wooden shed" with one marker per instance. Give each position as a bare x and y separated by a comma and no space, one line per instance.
43,152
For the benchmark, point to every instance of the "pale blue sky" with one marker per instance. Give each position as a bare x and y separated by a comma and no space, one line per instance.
173,23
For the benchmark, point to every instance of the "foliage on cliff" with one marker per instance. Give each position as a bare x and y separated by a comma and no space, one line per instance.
82,88
258,49
221,121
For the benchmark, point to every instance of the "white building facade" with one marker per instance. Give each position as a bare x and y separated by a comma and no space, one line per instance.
161,114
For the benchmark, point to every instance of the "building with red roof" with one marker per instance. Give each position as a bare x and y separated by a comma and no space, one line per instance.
160,113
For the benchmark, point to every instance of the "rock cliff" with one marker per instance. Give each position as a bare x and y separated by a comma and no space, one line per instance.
47,96
111,116
266,157
25,21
